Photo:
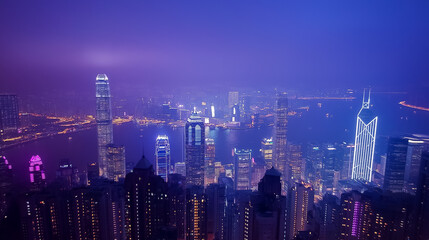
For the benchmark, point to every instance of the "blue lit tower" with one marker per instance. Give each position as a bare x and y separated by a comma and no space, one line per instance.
366,129
194,150
104,121
243,169
162,154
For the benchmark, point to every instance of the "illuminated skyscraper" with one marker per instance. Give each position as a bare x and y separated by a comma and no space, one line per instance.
146,209
417,144
210,154
180,168
196,213
37,173
295,161
280,140
162,155
267,152
5,184
115,162
104,121
235,113
194,150
355,216
9,114
366,129
243,169
232,99
301,200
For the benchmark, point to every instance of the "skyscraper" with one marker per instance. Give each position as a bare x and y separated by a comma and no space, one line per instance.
280,129
180,168
330,217
232,99
5,184
210,155
9,114
267,152
176,197
216,203
355,216
417,144
301,200
67,175
146,210
243,169
37,173
162,155
394,177
104,121
366,130
295,161
194,150
422,196
196,213
115,162
235,113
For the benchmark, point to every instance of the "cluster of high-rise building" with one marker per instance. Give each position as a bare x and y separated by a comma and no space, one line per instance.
292,191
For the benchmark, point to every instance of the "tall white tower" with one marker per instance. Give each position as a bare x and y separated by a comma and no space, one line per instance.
103,118
366,130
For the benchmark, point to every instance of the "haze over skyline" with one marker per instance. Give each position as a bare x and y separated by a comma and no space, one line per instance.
53,46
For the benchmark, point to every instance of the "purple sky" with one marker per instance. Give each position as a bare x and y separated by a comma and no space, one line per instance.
52,45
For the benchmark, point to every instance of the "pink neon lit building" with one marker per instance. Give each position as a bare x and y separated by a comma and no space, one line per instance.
37,173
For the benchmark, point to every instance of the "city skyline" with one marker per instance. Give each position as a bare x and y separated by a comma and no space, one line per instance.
214,120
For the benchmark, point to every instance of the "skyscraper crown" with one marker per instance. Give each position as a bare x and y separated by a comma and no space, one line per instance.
102,77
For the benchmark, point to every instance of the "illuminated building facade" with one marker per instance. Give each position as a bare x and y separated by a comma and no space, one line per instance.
210,155
146,209
355,216
103,118
196,213
366,130
394,176
67,175
9,114
194,150
92,173
233,99
295,161
417,144
280,140
235,113
423,198
301,200
267,152
330,217
162,156
6,180
262,214
328,169
37,173
216,206
177,200
180,168
242,169
115,162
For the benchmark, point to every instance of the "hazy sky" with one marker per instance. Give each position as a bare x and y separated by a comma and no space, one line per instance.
51,45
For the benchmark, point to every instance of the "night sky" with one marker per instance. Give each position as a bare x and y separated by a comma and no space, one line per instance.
55,45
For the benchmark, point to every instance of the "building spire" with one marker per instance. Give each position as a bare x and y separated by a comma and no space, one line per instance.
365,103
